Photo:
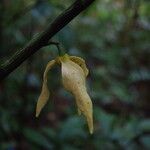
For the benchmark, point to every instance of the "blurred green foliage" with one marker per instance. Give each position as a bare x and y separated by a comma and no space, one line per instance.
114,39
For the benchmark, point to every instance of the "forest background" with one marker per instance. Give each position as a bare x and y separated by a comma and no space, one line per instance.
113,36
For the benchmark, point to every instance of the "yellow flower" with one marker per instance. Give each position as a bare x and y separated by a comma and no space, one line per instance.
74,73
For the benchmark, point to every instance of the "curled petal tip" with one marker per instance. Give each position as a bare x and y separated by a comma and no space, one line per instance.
91,131
81,62
36,115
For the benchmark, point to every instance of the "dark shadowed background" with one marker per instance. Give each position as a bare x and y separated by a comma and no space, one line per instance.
113,36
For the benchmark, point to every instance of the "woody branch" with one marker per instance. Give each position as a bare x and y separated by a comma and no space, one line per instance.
43,39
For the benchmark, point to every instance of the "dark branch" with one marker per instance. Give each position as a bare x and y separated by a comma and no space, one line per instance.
35,44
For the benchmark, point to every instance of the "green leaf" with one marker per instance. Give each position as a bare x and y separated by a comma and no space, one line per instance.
72,128
146,141
144,125
37,138
50,133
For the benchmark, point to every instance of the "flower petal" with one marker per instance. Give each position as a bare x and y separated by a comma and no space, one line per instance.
81,62
85,106
43,98
73,78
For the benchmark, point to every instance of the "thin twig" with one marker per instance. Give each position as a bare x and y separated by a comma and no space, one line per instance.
35,44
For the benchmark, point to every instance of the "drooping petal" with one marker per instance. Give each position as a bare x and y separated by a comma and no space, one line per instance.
43,98
81,62
73,78
85,106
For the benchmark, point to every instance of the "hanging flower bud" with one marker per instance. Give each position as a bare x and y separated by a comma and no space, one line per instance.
74,72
